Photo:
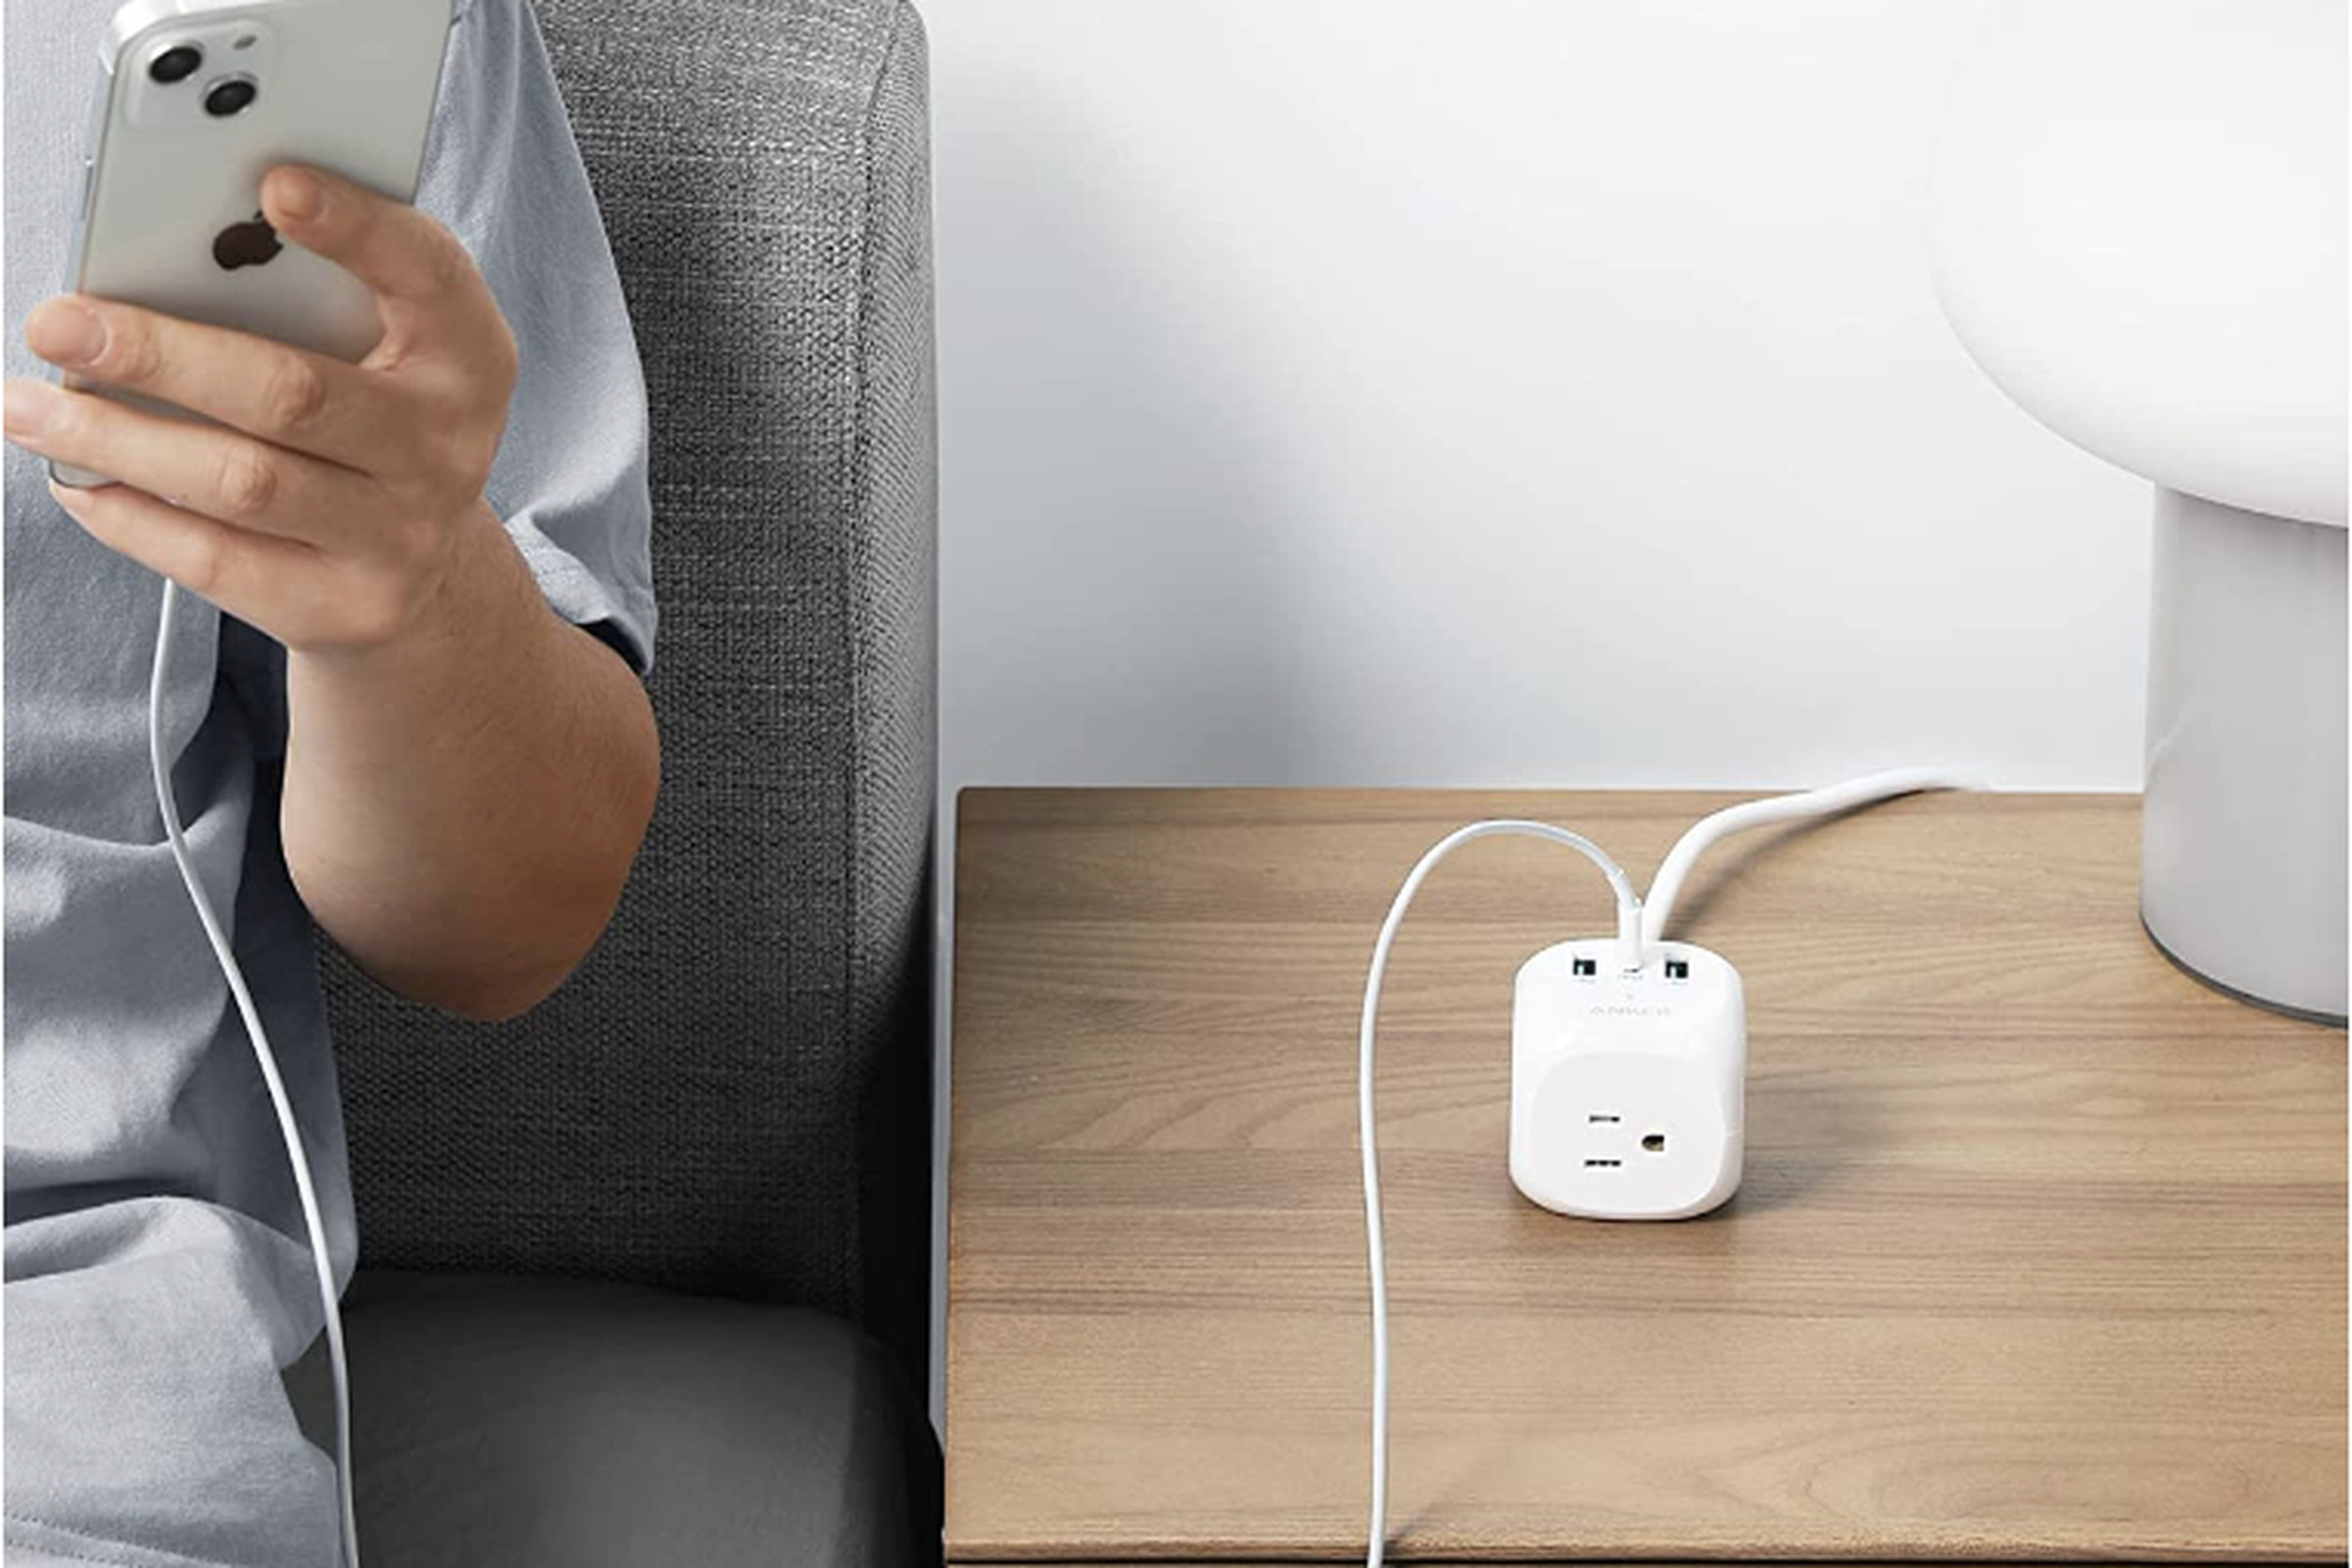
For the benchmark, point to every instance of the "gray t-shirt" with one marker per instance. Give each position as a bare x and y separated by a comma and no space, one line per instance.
156,1274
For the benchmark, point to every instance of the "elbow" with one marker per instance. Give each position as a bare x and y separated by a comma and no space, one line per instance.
501,992
501,987
498,982
499,1000
495,937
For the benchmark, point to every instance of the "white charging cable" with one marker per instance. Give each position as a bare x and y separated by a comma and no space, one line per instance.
1637,927
1629,934
167,801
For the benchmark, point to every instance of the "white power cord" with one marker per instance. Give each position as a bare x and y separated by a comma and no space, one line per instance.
223,953
1637,927
1667,885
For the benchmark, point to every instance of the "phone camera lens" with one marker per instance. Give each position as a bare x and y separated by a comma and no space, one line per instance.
233,96
175,63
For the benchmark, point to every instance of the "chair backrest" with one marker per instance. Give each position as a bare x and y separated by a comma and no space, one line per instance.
733,1094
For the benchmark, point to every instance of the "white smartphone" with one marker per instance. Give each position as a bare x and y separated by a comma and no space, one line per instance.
201,98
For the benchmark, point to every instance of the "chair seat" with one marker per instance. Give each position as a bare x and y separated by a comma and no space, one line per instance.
531,1423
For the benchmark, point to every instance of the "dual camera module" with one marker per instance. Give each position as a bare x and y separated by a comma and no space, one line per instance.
223,96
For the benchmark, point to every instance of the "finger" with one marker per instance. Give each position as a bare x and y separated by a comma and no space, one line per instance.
253,576
289,397
223,473
423,277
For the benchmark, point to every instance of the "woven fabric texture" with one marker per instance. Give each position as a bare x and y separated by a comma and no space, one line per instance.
732,1096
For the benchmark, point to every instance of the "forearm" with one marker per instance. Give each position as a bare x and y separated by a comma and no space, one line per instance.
461,806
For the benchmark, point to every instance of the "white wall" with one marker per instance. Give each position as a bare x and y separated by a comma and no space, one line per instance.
1486,392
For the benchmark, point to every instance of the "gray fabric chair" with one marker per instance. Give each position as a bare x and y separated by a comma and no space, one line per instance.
643,1274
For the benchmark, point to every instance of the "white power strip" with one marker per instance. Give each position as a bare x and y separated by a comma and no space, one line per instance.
1628,1091
1628,1057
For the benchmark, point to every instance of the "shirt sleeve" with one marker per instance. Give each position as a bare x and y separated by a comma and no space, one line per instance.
502,171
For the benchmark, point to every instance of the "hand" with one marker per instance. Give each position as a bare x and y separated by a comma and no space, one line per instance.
333,504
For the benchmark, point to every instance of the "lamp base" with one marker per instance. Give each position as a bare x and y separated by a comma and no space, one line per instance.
2242,873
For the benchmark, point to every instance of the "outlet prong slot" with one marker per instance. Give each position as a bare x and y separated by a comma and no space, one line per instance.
1654,1143
1612,1163
1603,1116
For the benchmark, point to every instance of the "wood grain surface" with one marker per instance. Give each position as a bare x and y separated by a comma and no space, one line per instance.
2040,1251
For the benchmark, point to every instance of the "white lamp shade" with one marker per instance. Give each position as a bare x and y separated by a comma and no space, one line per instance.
2139,231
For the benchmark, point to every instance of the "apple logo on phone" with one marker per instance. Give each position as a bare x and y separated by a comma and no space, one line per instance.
253,243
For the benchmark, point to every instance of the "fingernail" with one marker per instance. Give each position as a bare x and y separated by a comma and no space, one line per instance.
28,408
65,333
299,195
71,497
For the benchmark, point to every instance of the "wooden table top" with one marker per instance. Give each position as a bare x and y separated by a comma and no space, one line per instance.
2041,1250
